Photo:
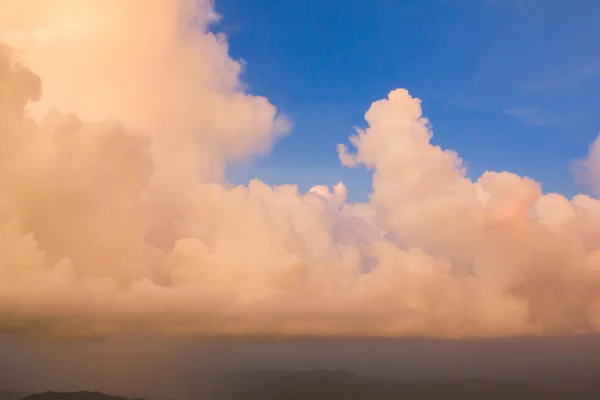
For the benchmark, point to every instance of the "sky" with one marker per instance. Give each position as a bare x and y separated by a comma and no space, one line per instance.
187,170
191,169
509,84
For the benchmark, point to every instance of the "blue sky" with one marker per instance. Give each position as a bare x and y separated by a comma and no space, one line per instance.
508,84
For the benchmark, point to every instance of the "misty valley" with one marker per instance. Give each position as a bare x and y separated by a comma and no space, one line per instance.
340,385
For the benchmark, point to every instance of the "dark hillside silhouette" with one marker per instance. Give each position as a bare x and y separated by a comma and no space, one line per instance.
74,396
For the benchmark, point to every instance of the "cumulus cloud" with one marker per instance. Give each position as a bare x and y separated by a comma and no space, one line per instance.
587,170
117,121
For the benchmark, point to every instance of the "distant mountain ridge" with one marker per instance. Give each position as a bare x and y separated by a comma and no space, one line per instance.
12,394
341,385
82,395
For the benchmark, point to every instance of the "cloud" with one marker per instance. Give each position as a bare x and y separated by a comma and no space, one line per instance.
115,129
572,76
587,170
515,2
532,116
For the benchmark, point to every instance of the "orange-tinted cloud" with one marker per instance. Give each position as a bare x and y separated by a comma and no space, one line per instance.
115,215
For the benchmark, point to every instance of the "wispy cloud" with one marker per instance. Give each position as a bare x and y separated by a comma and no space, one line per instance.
516,2
575,75
531,115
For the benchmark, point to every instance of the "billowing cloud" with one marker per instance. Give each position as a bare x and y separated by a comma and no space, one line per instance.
117,120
